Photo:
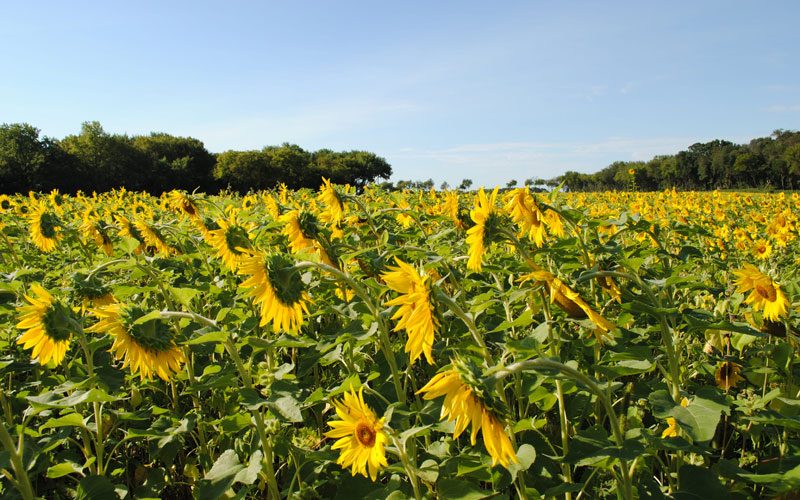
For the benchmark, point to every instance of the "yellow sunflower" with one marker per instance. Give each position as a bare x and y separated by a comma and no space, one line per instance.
462,406
334,213
44,226
182,203
148,348
762,249
727,375
479,235
415,311
128,230
764,293
277,290
301,229
526,215
572,303
359,435
93,230
6,203
47,322
153,237
231,242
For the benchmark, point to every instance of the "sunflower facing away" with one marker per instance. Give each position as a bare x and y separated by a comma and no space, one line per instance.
231,243
45,227
727,375
359,436
526,214
572,303
148,348
183,203
94,230
462,406
334,212
415,310
277,290
153,237
764,293
479,235
47,322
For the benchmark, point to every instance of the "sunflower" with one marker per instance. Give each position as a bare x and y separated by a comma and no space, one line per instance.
451,208
153,237
6,203
334,213
415,311
91,290
764,293
359,435
462,406
301,229
762,249
572,303
148,347
47,322
93,230
480,235
128,230
44,226
182,203
526,214
277,289
231,242
727,375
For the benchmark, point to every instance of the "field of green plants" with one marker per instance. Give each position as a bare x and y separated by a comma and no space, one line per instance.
416,344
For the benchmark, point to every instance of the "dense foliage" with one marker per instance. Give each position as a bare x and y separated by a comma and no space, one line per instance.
766,162
293,344
96,161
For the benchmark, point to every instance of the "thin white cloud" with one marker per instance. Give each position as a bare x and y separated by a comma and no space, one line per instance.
783,108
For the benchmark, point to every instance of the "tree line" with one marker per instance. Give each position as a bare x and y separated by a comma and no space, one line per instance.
765,162
95,160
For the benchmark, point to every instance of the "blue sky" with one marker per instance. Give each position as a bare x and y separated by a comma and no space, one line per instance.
446,90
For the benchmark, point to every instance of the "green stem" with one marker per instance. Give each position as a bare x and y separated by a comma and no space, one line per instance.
23,482
99,439
545,364
247,380
383,335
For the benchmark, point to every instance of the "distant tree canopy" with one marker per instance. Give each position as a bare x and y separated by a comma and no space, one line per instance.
766,162
95,160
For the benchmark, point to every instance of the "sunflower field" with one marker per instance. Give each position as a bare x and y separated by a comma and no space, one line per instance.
418,344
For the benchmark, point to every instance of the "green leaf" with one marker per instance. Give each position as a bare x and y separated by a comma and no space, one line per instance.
95,488
286,407
524,319
63,469
701,417
626,367
206,338
458,489
184,295
699,483
71,420
221,476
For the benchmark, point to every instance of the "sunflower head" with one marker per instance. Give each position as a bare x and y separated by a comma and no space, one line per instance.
308,223
182,203
153,334
471,376
286,282
48,324
90,289
45,227
359,435
727,375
